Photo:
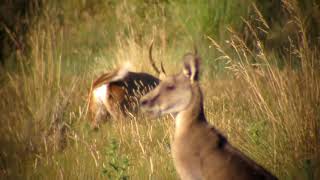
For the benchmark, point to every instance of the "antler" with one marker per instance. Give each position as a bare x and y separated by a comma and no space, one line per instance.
162,68
153,64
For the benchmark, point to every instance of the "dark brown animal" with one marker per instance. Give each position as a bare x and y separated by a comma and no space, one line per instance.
117,92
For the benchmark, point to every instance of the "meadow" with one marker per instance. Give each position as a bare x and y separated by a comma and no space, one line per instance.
260,76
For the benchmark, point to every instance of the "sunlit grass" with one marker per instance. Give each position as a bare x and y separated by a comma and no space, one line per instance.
271,114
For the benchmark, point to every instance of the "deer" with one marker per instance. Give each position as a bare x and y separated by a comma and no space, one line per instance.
199,150
116,93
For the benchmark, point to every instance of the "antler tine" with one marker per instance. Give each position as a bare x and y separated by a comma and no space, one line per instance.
162,68
153,64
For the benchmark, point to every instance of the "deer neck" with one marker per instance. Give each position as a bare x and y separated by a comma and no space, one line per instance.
193,113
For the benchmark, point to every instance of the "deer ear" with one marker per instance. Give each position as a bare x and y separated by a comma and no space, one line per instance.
191,67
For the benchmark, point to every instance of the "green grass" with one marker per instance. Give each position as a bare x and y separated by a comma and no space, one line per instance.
270,112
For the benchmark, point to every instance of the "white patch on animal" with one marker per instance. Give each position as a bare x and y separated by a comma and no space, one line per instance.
123,72
100,93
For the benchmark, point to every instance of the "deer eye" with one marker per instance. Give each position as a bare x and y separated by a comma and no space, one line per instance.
170,87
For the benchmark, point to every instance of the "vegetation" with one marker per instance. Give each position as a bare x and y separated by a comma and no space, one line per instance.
260,77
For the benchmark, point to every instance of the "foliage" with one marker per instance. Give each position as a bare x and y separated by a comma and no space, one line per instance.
117,164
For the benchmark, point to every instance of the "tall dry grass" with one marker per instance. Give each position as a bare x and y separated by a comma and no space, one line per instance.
284,98
43,111
270,110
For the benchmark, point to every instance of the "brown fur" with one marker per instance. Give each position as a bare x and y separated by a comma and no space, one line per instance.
122,95
199,151
123,92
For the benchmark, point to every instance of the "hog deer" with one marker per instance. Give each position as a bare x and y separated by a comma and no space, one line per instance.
199,150
117,93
